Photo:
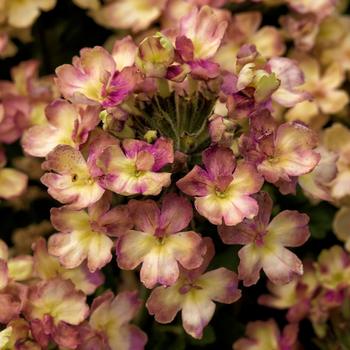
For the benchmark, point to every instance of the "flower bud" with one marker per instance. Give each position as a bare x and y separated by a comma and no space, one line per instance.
154,56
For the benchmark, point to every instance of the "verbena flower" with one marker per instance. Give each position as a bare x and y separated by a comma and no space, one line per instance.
159,242
265,241
223,189
194,294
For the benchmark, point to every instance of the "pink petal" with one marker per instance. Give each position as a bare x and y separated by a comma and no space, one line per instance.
281,265
290,228
221,285
196,314
164,303
124,52
195,183
145,215
250,265
219,162
176,213
132,248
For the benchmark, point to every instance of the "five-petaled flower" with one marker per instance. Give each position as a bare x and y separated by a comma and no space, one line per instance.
264,243
223,189
158,243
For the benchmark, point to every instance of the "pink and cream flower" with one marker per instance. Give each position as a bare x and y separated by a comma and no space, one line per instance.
194,294
67,124
158,242
85,235
93,79
134,166
318,183
264,243
283,152
70,180
223,189
109,323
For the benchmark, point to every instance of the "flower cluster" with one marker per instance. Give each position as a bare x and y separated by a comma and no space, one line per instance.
167,148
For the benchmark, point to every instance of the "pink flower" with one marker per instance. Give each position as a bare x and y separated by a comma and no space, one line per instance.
84,235
67,125
93,79
223,190
194,294
264,243
54,307
71,181
109,326
159,242
13,299
133,167
283,152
